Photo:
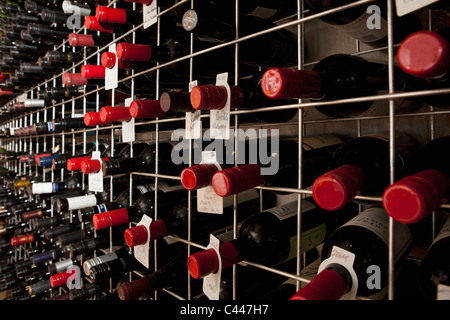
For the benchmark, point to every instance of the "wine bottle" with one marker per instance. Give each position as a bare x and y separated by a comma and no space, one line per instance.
73,183
247,95
362,167
354,21
335,77
114,268
424,54
61,162
118,15
266,237
145,161
173,219
317,158
364,242
434,268
417,195
143,205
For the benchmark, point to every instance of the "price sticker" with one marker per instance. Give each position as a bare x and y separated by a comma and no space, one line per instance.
150,14
207,199
142,252
211,283
407,6
112,75
96,179
193,121
220,119
128,127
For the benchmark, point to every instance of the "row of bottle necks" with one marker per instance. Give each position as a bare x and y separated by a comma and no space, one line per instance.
415,73
332,195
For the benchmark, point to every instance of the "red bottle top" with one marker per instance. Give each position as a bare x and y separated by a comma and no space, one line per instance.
327,285
133,52
111,15
424,54
17,241
109,60
92,119
91,165
142,109
198,176
32,214
74,164
91,23
81,40
211,97
93,72
36,157
115,114
336,188
110,218
61,278
282,83
203,263
138,235
73,79
237,179
413,198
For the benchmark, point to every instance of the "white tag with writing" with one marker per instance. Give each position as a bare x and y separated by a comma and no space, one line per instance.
220,119
344,258
150,14
207,199
407,6
112,75
193,121
96,179
128,127
211,283
142,252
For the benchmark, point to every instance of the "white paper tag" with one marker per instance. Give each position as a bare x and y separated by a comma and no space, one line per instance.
150,14
193,121
128,127
408,6
96,179
211,283
443,292
21,98
82,202
346,259
112,75
220,119
142,252
207,199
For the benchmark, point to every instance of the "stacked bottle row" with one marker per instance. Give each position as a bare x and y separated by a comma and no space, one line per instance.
340,170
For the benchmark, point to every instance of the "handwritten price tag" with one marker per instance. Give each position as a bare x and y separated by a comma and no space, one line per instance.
407,6
211,283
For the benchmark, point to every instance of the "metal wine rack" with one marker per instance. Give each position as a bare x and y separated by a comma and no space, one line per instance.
315,40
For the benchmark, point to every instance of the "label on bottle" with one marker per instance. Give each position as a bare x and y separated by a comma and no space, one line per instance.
193,120
207,199
88,264
128,127
145,188
102,208
211,283
82,202
42,187
96,179
369,27
443,292
150,13
407,6
311,239
50,126
244,196
290,209
142,252
220,119
112,75
377,221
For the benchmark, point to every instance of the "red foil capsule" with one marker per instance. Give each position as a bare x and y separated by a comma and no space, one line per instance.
62,278
91,119
327,285
111,15
198,176
109,60
110,218
336,188
133,52
282,83
74,164
91,165
28,238
237,179
136,236
81,40
73,79
93,72
115,114
142,109
91,23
